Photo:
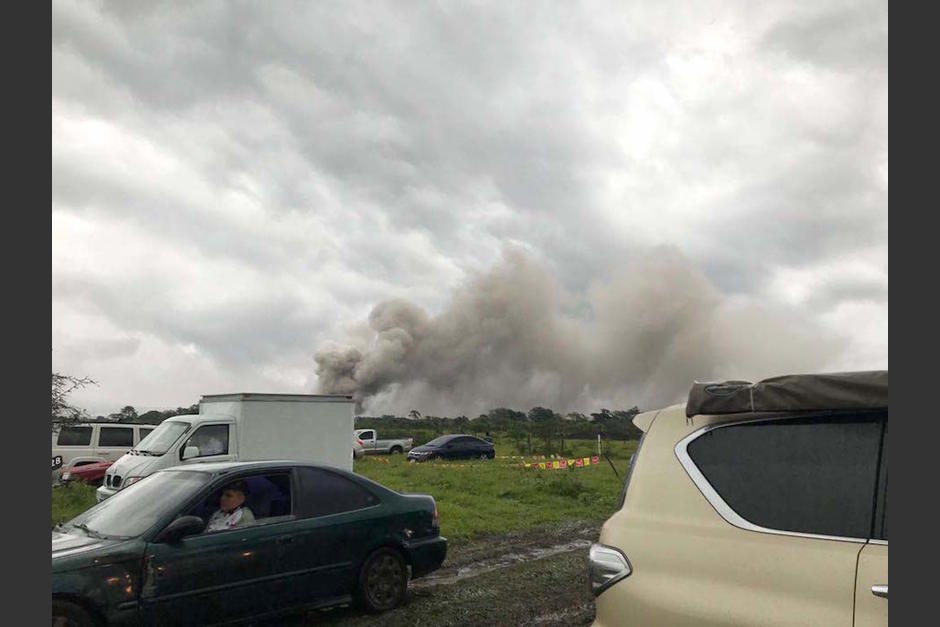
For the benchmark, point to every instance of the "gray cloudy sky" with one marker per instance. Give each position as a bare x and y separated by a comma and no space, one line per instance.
455,206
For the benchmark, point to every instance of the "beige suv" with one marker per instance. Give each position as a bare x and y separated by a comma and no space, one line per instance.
761,504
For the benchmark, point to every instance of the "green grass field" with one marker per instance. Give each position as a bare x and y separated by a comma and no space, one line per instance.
473,497
482,497
70,500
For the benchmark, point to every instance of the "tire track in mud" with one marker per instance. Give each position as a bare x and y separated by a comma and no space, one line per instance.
446,577
536,577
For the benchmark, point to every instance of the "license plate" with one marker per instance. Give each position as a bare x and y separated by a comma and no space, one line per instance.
57,462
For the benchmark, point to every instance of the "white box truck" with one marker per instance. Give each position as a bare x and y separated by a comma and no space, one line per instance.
313,428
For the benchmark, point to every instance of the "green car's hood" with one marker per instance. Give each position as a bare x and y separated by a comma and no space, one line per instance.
72,550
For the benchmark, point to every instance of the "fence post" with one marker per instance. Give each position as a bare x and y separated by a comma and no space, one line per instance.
598,444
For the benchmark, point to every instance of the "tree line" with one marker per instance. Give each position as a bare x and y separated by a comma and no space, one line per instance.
549,428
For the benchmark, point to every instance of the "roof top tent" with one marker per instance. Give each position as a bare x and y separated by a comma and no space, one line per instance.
795,392
314,428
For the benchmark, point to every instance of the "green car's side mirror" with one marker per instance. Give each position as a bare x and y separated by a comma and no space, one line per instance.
180,528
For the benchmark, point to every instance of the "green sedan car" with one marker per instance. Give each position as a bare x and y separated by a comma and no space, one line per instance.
214,543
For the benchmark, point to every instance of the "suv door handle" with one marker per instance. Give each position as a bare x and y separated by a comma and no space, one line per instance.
290,540
880,590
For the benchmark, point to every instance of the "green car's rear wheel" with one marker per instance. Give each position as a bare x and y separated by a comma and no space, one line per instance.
383,581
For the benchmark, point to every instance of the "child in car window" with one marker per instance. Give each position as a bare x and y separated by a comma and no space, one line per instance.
232,510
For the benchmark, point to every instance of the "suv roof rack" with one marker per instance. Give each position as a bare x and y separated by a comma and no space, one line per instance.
792,392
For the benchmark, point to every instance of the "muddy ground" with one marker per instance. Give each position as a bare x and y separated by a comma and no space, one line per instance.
536,577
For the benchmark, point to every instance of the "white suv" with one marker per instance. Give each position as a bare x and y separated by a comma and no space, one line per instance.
763,504
86,443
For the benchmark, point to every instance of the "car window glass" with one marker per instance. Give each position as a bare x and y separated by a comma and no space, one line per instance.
136,508
74,436
884,515
267,498
145,432
209,439
323,493
116,436
366,435
439,441
806,475
881,509
163,437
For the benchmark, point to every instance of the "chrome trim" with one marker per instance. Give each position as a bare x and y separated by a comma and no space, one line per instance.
879,542
714,499
880,591
623,574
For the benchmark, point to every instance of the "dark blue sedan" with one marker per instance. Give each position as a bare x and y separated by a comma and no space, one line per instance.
457,446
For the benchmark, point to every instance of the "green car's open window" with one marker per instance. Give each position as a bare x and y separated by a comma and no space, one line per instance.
268,497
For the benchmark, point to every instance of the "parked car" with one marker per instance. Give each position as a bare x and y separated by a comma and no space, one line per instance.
761,504
358,450
242,427
92,442
456,446
320,536
92,474
392,446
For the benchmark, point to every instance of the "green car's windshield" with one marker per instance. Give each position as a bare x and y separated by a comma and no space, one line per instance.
162,438
137,507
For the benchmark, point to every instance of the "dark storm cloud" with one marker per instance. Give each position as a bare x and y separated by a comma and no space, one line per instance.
238,333
862,41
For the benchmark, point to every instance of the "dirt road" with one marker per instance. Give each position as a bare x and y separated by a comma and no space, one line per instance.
538,577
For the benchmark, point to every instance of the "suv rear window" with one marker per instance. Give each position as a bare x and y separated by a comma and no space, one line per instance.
74,436
803,475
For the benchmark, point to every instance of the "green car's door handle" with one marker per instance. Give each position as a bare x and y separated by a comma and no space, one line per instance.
285,540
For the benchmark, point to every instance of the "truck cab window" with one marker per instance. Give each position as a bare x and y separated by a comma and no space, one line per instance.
211,440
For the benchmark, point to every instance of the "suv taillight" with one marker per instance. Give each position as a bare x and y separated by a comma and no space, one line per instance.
435,522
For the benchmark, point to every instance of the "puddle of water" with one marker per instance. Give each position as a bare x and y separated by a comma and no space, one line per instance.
508,559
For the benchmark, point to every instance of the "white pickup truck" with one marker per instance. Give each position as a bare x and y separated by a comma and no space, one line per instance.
371,443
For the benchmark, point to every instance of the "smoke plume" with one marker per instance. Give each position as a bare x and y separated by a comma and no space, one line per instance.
508,339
